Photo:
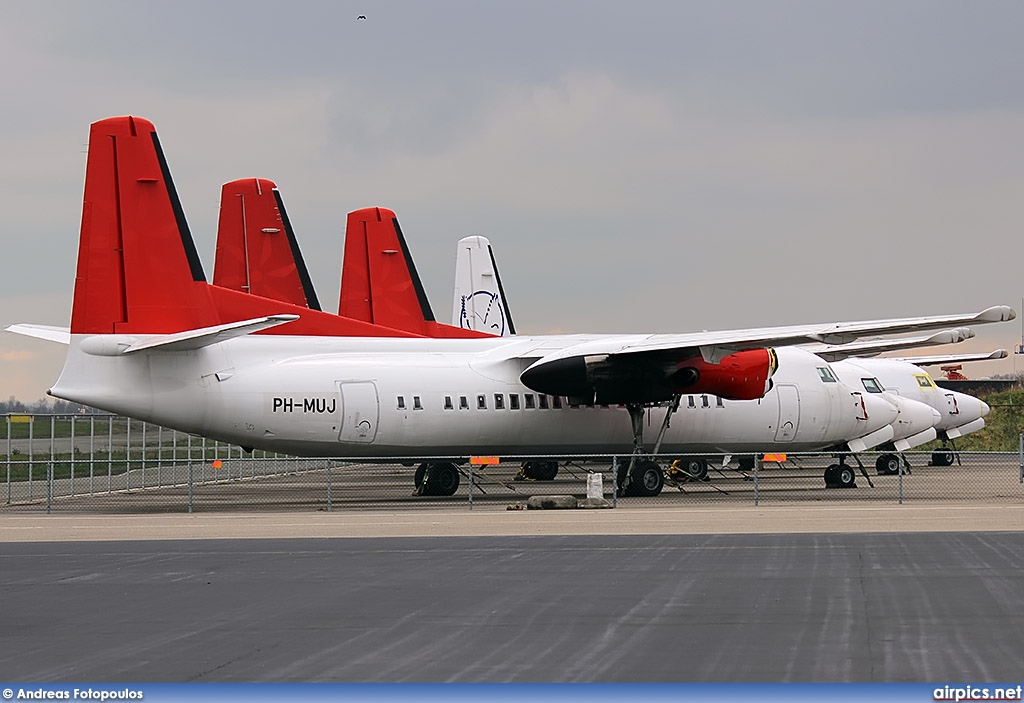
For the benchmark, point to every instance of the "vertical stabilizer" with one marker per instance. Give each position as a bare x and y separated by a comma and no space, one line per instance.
379,281
479,297
257,251
138,269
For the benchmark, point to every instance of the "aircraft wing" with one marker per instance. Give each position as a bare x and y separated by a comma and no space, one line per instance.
953,358
872,347
713,346
62,335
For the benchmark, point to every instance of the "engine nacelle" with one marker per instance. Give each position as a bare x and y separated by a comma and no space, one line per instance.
743,375
640,378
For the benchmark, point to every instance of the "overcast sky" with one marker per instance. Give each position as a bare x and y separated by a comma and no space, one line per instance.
638,166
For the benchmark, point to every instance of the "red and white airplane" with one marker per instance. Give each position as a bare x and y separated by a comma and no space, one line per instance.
151,339
378,260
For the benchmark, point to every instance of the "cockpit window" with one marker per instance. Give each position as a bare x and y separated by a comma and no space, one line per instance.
871,385
924,380
826,374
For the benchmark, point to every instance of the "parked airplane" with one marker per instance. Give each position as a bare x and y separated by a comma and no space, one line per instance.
151,339
480,304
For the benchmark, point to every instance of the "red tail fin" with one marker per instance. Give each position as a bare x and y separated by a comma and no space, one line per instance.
138,269
379,282
256,248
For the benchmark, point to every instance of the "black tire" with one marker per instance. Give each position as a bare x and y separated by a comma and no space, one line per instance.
540,470
746,462
442,479
942,457
846,477
691,468
831,480
622,478
887,465
647,479
421,472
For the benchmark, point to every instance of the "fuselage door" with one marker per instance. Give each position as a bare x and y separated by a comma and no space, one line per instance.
360,411
789,412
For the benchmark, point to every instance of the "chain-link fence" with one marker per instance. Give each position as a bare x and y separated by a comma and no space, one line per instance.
103,463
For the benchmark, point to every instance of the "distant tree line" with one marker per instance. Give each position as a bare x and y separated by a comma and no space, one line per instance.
46,406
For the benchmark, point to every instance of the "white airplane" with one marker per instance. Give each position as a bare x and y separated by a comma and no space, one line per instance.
151,339
960,413
377,282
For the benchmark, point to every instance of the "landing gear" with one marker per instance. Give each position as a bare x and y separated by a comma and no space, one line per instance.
887,465
642,476
436,478
537,471
943,457
840,476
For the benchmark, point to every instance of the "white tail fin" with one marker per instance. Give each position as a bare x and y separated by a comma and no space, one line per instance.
479,298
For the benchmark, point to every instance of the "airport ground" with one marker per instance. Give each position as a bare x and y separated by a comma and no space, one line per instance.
854,591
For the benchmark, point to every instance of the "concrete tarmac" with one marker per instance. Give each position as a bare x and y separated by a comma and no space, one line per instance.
809,592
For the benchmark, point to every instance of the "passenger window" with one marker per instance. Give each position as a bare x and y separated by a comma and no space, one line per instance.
691,402
543,401
401,402
513,401
556,402
448,403
499,401
463,403
481,402
826,375
416,403
719,402
704,401
528,400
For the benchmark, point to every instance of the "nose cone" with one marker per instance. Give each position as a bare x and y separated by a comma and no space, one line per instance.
984,408
914,417
880,411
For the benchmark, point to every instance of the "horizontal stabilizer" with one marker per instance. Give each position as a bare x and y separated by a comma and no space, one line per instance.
871,347
954,358
196,339
62,335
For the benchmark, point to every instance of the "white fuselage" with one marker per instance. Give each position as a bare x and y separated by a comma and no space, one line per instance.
960,413
379,397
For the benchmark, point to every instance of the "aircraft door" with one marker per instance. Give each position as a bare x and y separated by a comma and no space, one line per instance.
789,412
951,405
360,411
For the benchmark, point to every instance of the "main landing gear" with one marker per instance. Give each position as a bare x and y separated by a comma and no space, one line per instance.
840,475
642,476
889,465
437,478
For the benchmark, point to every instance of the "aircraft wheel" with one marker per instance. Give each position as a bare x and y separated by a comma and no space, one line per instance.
942,457
746,463
540,470
693,468
845,476
887,465
417,479
831,479
442,479
647,479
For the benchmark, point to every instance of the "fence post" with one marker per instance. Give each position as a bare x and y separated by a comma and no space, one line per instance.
615,481
49,481
758,458
329,507
190,487
92,452
471,484
899,482
31,442
1020,439
72,455
110,452
8,459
